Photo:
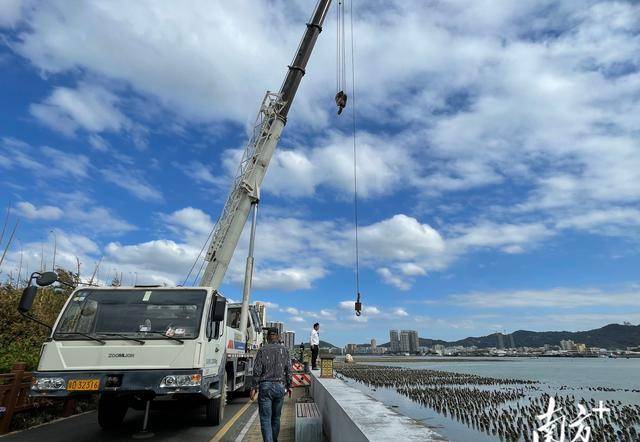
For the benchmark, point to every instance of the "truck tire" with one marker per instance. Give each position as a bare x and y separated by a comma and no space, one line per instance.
111,412
215,406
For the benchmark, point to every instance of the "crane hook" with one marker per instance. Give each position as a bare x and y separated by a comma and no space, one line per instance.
358,306
341,101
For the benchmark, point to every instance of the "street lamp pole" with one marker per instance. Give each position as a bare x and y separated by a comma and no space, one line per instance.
55,248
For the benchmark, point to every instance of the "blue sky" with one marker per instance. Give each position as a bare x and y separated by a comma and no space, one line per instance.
498,143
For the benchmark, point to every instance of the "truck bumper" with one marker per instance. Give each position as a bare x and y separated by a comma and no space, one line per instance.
128,382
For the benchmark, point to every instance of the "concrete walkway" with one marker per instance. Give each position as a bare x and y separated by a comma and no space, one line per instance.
287,421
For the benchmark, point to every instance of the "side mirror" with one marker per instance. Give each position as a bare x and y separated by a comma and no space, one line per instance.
28,296
46,278
218,307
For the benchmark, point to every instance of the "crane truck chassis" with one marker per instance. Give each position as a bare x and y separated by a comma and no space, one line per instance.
133,345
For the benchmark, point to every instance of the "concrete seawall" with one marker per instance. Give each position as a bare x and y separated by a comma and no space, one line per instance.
350,415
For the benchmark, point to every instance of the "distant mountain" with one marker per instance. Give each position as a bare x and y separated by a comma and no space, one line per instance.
610,336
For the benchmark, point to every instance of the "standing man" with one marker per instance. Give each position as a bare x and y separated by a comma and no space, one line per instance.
314,342
271,381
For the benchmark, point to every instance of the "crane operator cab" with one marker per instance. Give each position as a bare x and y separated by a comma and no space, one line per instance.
254,332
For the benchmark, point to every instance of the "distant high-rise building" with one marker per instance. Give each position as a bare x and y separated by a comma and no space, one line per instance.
279,326
414,341
568,345
373,346
512,343
394,341
409,341
351,349
261,309
289,339
500,343
439,349
581,348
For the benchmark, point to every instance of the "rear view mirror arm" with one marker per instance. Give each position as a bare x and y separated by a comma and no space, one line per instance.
44,324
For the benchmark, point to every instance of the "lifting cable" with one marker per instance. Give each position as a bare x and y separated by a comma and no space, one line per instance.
341,101
195,262
341,65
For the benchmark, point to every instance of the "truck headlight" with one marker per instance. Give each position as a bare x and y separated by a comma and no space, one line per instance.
48,384
181,380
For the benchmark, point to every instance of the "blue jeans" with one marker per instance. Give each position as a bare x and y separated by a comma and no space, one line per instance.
270,400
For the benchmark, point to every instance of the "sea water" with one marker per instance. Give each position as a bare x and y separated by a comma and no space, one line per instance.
574,375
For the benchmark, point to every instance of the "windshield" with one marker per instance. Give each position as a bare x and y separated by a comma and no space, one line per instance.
136,313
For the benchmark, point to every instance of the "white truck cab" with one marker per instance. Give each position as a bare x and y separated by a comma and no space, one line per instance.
135,344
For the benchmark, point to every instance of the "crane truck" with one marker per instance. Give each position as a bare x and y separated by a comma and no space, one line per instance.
134,345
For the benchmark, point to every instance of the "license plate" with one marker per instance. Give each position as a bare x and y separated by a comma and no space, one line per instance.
83,384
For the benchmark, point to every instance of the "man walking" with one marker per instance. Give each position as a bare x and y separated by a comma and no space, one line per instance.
314,342
271,380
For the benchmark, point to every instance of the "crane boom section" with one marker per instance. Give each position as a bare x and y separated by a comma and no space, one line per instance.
256,157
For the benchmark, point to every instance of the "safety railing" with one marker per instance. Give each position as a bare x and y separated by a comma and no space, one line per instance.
14,397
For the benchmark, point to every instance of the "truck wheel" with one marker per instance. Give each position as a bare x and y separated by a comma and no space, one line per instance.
215,407
111,412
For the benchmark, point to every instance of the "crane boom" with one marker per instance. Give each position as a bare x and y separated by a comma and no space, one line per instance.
256,156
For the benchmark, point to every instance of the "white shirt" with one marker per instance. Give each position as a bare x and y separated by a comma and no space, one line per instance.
315,337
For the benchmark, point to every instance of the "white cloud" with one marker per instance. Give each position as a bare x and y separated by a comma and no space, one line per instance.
597,219
561,297
542,97
10,12
511,238
171,53
44,162
399,312
292,311
132,182
29,211
86,215
385,165
190,222
287,279
395,280
98,143
89,107
400,237
202,173
269,304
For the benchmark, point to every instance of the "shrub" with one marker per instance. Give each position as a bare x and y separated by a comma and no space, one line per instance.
21,338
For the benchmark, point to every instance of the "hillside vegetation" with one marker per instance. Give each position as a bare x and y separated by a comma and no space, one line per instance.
21,338
612,336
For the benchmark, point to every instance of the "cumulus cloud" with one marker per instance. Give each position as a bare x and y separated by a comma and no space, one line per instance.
89,107
385,166
183,67
525,116
29,211
561,297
